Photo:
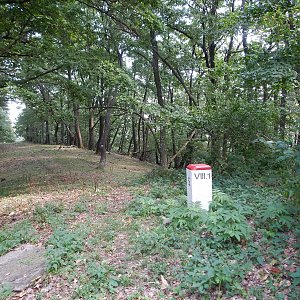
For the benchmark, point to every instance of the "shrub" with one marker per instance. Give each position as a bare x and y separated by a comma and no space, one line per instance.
186,217
228,225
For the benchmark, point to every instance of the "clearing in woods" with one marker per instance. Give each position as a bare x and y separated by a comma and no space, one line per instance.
51,190
126,232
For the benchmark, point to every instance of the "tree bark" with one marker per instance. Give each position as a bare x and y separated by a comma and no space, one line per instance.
282,121
78,136
107,122
160,99
134,137
91,141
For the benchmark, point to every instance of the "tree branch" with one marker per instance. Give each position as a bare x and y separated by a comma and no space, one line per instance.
183,146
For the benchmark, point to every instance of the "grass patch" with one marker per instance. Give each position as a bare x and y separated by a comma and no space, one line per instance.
13,236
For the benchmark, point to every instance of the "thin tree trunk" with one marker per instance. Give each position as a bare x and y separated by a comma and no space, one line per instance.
56,133
124,131
103,140
282,121
134,138
143,155
62,132
47,133
91,141
114,137
160,100
129,147
101,129
78,137
143,147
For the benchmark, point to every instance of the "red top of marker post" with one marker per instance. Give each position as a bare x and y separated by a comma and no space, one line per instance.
196,167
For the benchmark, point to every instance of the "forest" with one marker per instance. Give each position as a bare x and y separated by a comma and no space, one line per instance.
167,83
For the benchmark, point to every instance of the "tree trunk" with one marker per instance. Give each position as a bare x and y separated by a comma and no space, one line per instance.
282,121
144,129
78,137
91,140
143,155
160,100
56,133
103,140
101,129
124,131
47,133
114,137
134,137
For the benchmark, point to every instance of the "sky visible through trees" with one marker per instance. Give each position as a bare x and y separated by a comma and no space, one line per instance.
170,82
165,81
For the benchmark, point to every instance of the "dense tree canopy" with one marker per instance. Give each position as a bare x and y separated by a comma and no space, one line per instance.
172,81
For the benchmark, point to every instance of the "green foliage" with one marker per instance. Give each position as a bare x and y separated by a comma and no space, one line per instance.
101,208
19,233
63,248
228,225
187,217
216,249
6,131
158,240
208,270
296,277
80,207
144,206
221,200
98,279
48,213
276,216
5,291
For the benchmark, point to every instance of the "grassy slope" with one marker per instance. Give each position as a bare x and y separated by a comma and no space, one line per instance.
105,237
62,190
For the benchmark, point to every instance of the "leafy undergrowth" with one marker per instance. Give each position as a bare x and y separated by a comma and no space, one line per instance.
121,234
243,248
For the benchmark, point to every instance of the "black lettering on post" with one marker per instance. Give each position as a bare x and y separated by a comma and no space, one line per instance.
200,175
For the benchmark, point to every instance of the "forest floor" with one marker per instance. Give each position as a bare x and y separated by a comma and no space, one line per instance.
107,236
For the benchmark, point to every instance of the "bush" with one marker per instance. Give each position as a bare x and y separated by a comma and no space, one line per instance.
228,225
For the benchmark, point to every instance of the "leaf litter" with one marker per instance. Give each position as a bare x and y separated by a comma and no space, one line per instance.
36,175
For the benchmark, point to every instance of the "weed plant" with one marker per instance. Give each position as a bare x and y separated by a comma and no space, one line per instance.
96,281
50,213
20,233
5,291
63,248
245,228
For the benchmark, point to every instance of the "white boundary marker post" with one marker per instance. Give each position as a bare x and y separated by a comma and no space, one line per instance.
199,184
